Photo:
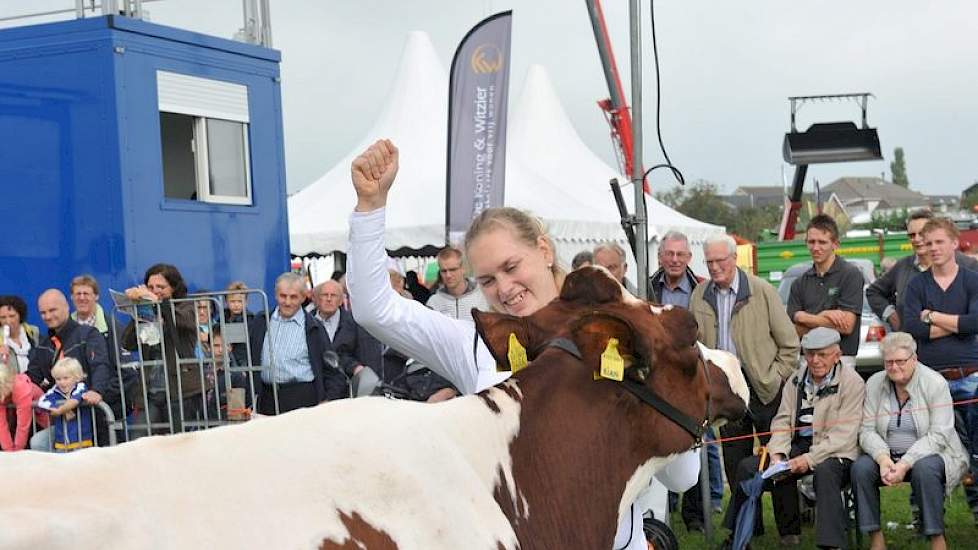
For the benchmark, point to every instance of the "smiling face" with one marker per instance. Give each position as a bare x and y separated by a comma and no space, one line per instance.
65,380
515,277
900,365
674,256
821,361
84,298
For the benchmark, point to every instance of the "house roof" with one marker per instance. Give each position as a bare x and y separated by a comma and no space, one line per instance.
855,190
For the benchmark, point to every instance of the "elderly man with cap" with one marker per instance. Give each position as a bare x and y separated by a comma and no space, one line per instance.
816,430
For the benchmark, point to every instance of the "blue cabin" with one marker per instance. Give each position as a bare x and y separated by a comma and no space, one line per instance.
125,143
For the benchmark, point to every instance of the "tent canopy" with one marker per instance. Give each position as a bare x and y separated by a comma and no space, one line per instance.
549,171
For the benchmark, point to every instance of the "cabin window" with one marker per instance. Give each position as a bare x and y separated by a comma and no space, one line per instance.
204,127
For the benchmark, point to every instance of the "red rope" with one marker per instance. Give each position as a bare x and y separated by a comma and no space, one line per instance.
838,422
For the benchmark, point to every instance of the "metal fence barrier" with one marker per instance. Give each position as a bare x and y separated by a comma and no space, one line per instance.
91,426
172,389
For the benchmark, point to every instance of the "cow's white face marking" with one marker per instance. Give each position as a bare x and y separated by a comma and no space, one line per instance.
730,365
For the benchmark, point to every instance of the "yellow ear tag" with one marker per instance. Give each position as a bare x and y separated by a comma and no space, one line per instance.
516,354
612,365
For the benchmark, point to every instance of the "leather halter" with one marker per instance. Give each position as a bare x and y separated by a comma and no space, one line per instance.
645,394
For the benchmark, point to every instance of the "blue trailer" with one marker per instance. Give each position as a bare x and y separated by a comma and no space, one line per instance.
125,143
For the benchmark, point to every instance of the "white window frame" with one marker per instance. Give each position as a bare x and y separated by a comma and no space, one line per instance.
203,169
208,99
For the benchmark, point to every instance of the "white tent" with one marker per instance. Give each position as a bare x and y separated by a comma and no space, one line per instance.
549,171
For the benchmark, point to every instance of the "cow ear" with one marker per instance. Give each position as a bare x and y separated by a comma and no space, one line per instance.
496,329
594,335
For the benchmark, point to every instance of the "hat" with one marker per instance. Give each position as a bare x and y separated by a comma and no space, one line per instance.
821,337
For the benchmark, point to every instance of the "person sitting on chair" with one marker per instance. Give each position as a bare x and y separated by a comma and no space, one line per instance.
907,433
815,430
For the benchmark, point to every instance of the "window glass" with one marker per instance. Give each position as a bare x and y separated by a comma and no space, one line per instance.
227,158
179,162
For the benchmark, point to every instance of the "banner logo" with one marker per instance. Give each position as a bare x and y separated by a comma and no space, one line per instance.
486,59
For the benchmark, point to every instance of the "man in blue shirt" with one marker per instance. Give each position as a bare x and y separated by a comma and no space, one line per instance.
940,310
291,347
674,281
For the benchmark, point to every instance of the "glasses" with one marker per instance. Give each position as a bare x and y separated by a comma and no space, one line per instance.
718,261
674,254
897,362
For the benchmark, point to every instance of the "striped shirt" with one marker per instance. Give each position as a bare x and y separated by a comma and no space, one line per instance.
901,433
285,339
726,298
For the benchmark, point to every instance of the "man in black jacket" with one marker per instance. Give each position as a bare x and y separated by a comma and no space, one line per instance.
290,347
67,338
356,348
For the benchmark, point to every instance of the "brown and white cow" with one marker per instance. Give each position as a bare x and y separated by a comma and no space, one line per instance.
548,459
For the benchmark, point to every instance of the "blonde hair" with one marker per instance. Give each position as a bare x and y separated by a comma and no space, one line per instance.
526,227
70,366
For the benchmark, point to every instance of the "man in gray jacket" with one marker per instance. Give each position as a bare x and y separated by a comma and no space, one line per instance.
457,294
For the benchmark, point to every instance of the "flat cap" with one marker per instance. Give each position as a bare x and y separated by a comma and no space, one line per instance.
820,337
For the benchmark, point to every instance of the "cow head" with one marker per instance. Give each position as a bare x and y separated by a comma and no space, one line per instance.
658,351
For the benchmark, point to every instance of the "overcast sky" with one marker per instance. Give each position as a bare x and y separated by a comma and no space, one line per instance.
727,69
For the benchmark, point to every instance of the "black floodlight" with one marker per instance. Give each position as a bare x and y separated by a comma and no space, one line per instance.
832,141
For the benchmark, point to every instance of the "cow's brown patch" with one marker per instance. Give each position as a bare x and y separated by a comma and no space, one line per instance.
489,402
362,535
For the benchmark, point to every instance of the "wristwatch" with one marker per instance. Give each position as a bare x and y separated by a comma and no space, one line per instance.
927,318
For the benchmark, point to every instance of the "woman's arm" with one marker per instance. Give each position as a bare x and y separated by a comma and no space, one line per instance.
443,344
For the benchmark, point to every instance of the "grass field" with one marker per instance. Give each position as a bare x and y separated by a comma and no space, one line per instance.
961,531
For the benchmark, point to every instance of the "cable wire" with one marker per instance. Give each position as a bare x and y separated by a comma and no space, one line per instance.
658,107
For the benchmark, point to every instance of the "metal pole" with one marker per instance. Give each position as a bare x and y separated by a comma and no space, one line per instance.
704,495
79,9
641,227
266,24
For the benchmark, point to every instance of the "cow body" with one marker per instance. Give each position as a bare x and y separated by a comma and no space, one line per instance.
418,473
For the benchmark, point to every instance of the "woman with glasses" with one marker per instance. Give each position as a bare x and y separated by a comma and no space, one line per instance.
907,435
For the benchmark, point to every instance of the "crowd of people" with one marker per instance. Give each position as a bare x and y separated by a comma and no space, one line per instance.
820,425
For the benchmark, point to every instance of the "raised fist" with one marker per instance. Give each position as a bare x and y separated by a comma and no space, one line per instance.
373,174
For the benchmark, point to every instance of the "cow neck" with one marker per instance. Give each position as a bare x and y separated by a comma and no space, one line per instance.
572,458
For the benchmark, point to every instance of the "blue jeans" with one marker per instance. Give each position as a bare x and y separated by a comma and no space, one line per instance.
716,470
966,423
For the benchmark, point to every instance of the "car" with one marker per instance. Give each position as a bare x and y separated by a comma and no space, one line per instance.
869,359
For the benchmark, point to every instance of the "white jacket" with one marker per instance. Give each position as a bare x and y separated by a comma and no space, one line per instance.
450,347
